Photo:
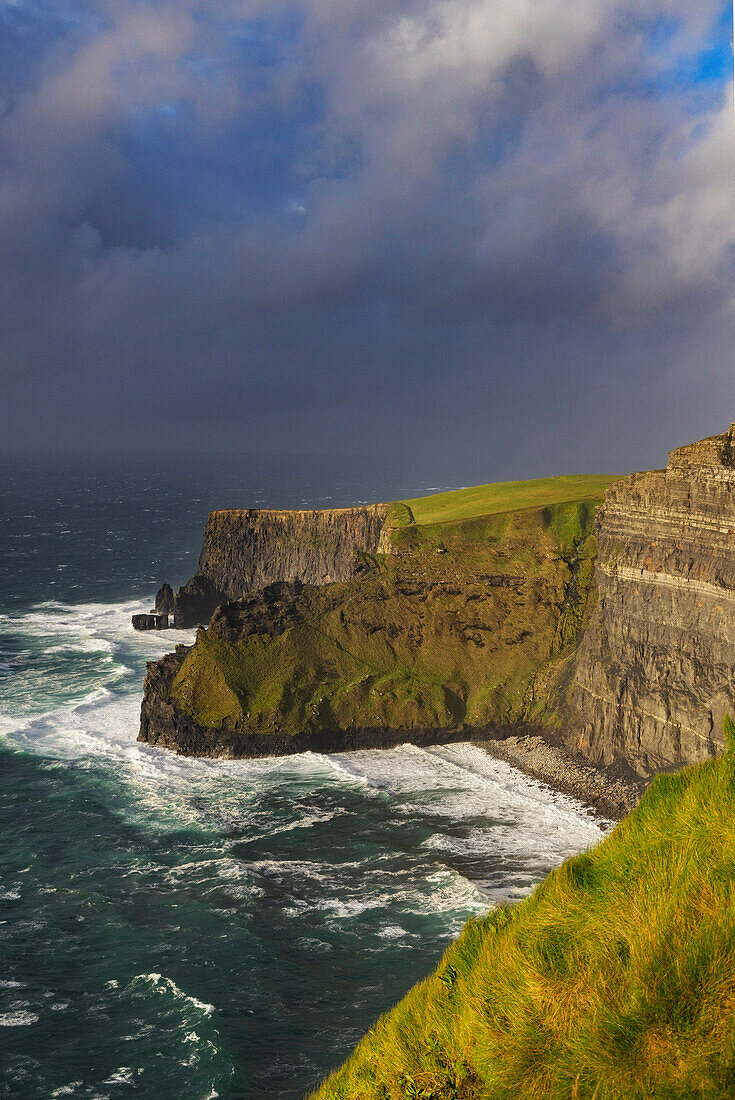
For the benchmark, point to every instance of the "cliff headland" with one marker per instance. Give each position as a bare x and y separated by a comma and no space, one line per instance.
437,618
517,608
244,550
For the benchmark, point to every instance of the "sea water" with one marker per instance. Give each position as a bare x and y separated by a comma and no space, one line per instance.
192,928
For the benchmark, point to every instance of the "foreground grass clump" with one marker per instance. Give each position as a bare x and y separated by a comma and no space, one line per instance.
615,979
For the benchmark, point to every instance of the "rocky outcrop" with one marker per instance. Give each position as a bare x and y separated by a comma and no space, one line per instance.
656,667
151,620
165,600
419,646
246,549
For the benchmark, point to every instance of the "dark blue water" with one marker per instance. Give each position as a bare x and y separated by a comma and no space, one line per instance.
176,928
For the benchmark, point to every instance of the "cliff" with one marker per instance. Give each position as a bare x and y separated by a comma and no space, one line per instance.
656,668
246,549
441,638
461,615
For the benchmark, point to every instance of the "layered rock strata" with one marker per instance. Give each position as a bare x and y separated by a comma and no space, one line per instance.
656,667
246,549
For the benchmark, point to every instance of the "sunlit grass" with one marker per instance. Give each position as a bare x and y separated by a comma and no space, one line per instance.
503,496
616,978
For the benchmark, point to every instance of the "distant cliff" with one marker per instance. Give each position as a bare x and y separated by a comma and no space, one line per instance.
656,667
496,609
439,639
246,549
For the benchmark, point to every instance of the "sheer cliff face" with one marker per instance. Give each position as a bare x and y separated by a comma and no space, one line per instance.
245,550
656,667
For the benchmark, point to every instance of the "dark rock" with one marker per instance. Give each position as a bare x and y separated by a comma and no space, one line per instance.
196,601
245,550
165,600
151,620
144,622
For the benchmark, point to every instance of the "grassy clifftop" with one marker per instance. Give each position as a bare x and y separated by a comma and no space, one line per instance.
615,980
479,591
506,496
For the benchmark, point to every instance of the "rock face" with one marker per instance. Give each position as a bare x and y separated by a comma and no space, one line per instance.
246,549
656,667
467,628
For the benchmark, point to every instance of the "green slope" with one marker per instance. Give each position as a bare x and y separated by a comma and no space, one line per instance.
615,980
448,632
507,496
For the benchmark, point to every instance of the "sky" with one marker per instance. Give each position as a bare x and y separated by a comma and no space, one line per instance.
475,230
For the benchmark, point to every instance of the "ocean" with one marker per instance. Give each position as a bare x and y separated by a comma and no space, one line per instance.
196,929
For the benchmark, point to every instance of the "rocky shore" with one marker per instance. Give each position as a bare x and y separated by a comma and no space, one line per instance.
612,791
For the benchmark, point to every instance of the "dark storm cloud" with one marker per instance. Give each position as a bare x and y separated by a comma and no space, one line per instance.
471,227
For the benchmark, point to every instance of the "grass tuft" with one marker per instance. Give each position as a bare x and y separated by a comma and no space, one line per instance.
615,979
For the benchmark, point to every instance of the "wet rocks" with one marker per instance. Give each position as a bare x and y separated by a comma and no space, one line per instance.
151,621
165,600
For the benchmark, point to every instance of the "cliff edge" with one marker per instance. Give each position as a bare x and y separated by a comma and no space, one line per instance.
244,550
490,610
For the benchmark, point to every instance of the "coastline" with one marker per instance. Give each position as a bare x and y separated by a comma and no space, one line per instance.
612,791
607,790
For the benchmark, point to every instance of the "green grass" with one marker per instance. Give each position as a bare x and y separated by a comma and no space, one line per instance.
615,980
502,496
419,640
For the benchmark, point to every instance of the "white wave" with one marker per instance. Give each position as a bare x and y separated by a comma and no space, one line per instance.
305,822
160,984
92,626
478,809
125,1075
19,1018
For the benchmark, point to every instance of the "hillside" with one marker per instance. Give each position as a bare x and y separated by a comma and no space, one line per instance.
439,634
615,980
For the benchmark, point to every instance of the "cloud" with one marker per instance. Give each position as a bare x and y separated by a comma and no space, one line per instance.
309,224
